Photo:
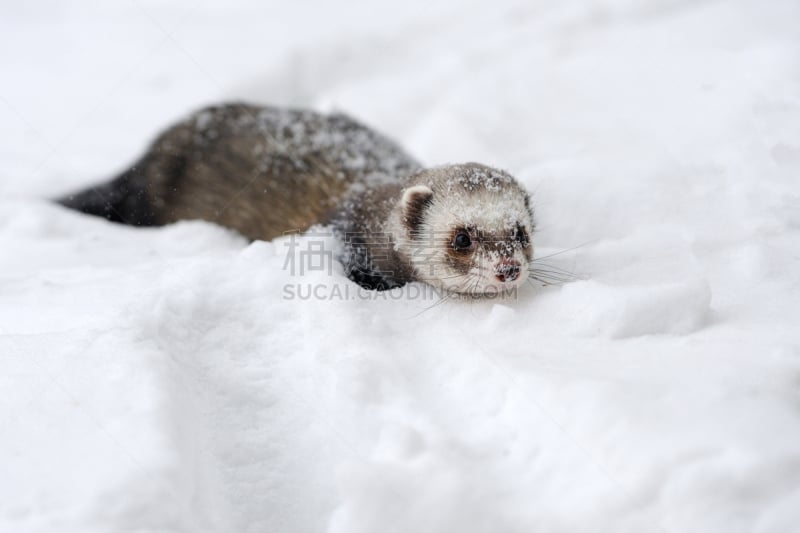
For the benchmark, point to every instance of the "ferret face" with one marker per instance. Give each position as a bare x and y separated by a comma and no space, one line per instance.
468,229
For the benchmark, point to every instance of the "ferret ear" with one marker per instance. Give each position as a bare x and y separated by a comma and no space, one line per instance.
415,201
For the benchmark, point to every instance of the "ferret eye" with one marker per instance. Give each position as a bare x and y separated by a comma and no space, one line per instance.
462,240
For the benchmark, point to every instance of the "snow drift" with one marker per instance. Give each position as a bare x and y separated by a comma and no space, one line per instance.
162,380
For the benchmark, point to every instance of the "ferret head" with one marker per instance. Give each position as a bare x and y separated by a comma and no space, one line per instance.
466,229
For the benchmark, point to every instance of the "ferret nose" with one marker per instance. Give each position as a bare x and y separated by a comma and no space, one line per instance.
507,270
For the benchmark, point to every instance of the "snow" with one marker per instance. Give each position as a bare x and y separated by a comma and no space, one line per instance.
161,380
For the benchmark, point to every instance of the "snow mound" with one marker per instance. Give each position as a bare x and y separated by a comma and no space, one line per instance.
593,308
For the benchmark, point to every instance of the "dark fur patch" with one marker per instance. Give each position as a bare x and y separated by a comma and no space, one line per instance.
459,260
359,266
521,235
118,201
530,211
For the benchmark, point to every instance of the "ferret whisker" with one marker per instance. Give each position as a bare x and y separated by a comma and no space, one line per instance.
536,264
564,251
555,274
454,276
548,281
445,296
545,282
531,283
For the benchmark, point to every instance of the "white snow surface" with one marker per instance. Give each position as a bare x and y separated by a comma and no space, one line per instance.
161,380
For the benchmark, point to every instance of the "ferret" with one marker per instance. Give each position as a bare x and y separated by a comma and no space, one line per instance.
266,171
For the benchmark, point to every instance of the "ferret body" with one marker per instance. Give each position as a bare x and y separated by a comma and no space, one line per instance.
267,171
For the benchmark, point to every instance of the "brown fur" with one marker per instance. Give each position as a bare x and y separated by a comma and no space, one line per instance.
261,171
